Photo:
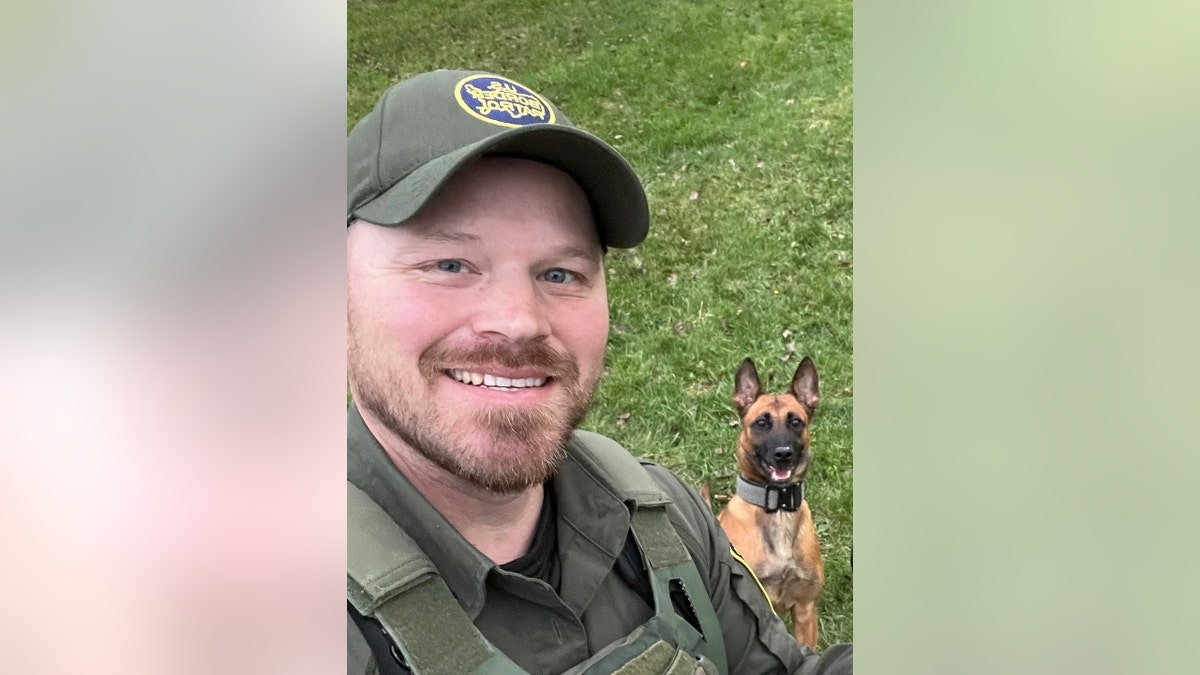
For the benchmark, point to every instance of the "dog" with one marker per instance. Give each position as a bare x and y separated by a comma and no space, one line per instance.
768,521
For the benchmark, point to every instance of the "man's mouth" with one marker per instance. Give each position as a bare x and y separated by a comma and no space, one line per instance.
495,381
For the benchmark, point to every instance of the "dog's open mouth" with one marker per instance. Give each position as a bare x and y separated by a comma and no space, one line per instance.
778,475
495,381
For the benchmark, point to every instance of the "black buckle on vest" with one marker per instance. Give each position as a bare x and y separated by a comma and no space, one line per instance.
787,497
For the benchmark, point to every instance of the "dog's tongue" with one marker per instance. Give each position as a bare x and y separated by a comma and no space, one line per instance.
779,475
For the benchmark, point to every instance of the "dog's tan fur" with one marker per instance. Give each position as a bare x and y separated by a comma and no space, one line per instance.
781,547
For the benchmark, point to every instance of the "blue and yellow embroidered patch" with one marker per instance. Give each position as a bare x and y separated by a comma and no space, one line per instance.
499,100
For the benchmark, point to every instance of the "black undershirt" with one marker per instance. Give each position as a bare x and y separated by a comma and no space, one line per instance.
541,560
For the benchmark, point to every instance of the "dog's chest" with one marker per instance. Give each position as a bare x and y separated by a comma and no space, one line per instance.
778,563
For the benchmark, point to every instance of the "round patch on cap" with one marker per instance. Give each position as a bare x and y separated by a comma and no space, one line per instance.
498,100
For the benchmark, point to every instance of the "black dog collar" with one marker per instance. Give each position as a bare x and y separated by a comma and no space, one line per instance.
771,498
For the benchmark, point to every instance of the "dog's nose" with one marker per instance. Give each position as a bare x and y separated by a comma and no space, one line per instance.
782,455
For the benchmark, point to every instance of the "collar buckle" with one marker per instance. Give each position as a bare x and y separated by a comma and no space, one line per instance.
786,497
771,498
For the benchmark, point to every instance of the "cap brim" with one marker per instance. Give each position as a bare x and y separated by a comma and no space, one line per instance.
616,195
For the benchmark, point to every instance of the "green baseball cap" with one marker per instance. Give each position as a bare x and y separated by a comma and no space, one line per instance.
426,128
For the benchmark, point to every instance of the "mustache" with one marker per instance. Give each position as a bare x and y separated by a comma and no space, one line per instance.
537,355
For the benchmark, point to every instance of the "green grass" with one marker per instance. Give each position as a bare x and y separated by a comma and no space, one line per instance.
738,117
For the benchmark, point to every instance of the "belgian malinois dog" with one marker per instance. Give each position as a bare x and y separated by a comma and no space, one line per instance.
768,521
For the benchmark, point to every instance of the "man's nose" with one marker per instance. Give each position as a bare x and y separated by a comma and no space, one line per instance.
512,308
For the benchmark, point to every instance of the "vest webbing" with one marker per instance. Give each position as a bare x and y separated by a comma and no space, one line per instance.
390,579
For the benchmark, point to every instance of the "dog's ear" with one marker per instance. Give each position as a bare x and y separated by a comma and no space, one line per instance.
746,386
805,386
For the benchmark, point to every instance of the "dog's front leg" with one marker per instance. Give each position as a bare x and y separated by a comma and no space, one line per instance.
804,623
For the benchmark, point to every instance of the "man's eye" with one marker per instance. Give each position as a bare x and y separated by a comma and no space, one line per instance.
453,266
559,276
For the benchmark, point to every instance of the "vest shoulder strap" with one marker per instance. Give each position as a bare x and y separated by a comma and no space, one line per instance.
670,567
390,579
615,467
382,560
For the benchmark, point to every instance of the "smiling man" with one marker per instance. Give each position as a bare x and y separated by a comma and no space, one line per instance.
486,533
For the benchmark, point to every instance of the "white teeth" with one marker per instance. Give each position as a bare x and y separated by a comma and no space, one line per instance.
487,380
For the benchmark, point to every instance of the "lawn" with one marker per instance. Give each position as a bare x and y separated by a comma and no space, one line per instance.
738,117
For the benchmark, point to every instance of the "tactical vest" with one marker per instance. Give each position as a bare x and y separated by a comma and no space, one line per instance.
391,580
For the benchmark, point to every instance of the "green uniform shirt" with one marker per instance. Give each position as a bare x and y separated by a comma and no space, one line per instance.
546,632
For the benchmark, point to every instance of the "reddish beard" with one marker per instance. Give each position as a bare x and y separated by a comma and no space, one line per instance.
501,449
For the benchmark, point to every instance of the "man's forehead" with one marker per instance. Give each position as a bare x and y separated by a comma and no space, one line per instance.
418,234
566,248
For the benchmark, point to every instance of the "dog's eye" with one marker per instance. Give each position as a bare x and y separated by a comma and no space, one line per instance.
762,423
796,423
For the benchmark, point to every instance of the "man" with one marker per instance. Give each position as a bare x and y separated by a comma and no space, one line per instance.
486,533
